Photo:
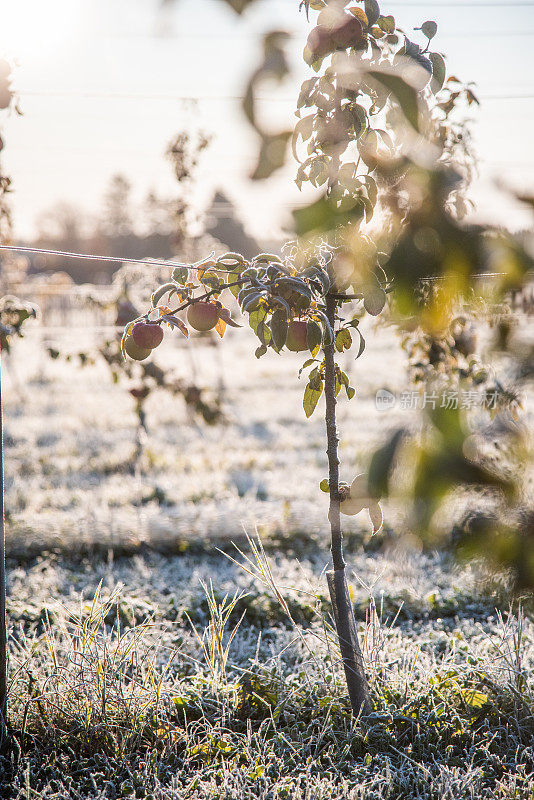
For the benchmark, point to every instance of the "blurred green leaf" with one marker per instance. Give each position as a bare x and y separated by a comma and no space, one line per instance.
324,216
239,6
382,464
439,72
303,128
404,94
272,155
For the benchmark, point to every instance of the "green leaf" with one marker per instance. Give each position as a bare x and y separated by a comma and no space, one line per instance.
404,94
372,188
232,277
256,317
304,128
263,332
180,275
350,392
311,398
387,24
359,115
318,173
374,300
328,333
260,351
429,29
234,261
324,486
343,340
251,300
306,364
161,291
211,280
362,344
314,336
439,72
319,279
278,328
306,91
372,11
224,314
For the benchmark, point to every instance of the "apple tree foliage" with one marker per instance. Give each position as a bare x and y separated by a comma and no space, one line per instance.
381,135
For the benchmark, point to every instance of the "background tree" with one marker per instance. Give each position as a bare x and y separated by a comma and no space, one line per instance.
183,153
117,220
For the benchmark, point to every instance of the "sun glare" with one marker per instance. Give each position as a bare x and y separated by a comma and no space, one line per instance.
34,28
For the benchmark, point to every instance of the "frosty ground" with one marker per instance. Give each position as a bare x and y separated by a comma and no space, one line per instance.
130,692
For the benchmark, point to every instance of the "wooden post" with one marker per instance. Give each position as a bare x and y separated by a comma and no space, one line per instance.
337,583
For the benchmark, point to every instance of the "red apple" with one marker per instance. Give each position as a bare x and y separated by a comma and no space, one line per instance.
134,351
147,334
203,316
297,335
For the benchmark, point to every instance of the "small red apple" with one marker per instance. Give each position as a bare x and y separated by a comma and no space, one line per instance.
203,316
147,334
134,351
297,339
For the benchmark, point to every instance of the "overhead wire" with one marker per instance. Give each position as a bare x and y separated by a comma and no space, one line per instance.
194,98
165,263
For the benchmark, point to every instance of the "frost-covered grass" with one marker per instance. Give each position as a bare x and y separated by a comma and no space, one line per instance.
70,436
139,689
142,691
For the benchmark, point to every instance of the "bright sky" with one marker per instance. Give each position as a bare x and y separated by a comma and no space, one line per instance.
101,80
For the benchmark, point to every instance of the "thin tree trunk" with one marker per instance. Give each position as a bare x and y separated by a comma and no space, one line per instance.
337,583
3,619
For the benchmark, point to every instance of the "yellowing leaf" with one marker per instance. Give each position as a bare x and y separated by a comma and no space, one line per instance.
221,327
169,733
311,398
162,310
360,14
473,698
